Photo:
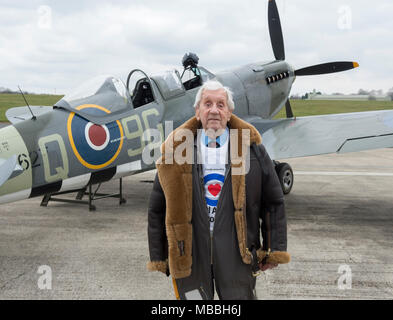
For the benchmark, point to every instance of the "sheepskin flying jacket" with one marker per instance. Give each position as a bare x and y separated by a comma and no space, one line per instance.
170,228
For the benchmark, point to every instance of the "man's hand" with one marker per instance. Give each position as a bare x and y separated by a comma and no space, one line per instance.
267,266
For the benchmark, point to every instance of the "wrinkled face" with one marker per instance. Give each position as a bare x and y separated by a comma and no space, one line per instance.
213,110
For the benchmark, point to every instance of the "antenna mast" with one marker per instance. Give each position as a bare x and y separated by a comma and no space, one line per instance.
34,117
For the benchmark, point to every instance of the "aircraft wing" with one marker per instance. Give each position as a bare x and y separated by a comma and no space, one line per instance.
336,133
18,114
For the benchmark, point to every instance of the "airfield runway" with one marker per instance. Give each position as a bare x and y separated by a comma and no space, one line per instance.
340,226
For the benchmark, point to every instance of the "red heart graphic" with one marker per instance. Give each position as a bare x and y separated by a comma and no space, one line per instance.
214,189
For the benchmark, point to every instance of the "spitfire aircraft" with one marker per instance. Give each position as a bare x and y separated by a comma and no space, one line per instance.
97,132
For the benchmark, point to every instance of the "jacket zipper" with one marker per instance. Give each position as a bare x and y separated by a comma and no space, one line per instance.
211,248
268,233
204,293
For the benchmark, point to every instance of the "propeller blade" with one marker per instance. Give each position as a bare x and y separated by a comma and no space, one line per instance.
275,31
288,109
324,68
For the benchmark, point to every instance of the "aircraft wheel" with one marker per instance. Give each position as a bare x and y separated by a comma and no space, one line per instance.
285,175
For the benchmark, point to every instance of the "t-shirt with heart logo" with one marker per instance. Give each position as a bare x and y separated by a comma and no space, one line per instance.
213,163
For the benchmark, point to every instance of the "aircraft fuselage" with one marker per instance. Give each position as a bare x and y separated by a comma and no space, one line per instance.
57,151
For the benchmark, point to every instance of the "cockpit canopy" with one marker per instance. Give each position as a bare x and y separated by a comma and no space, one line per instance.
169,84
105,91
118,100
97,85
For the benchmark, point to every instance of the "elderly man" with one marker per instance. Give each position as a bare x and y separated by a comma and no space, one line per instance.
206,216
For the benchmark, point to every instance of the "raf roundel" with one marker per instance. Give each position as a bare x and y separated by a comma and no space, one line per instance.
213,185
97,136
96,146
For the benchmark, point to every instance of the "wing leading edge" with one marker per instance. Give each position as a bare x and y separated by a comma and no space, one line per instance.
336,133
18,114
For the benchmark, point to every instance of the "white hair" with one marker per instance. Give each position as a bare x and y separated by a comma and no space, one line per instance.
214,85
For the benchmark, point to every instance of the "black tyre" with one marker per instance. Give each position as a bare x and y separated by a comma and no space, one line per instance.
285,175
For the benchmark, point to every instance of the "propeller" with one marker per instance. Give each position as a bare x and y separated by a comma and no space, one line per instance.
288,109
275,31
324,68
277,42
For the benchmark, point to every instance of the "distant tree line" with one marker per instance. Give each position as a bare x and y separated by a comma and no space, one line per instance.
372,94
390,93
9,91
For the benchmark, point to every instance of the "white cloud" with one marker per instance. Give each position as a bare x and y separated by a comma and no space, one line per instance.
93,37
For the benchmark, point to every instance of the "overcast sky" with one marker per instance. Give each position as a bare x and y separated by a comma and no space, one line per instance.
53,46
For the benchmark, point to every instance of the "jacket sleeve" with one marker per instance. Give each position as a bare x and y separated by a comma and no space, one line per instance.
158,243
274,222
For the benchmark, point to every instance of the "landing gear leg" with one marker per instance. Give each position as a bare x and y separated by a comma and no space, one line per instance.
285,176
